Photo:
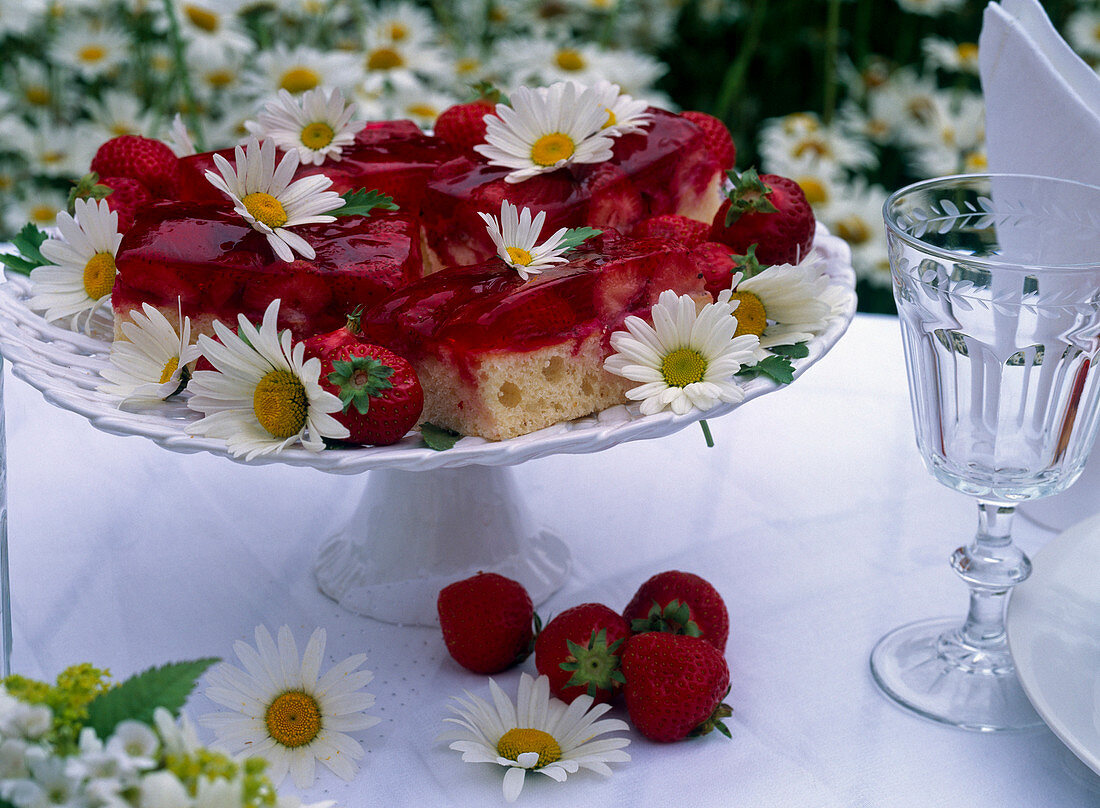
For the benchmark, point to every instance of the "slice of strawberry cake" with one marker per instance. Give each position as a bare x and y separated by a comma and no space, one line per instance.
499,356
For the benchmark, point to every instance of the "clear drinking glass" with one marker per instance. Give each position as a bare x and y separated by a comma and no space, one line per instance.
997,283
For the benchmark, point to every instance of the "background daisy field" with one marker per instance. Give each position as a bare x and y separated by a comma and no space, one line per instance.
852,98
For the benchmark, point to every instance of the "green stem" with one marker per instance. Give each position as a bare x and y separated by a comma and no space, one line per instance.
734,79
190,108
862,38
706,433
832,50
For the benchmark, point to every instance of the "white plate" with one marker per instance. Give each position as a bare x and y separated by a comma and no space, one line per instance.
1054,635
65,367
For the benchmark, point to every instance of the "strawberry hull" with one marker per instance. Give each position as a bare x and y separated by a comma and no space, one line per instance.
499,356
666,169
218,266
394,157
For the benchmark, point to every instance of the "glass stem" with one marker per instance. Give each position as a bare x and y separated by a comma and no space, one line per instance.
991,565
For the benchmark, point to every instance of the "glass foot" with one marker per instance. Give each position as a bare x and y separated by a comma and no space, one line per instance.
926,667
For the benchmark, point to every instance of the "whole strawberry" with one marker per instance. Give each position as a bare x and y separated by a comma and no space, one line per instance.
769,211
680,603
463,125
380,391
673,227
127,197
718,138
674,686
148,161
487,622
578,651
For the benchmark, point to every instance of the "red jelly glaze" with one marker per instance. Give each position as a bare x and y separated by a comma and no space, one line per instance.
394,157
647,175
460,313
218,265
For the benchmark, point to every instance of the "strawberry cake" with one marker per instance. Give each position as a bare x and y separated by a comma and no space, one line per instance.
206,262
499,356
664,169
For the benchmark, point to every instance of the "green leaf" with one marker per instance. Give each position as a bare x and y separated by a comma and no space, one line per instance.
138,697
778,368
439,437
27,241
797,351
361,202
88,187
576,236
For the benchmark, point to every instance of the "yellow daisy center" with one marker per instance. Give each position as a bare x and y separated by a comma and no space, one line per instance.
202,18
467,65
683,366
43,214
317,135
549,149
814,189
968,51
611,119
384,59
170,367
91,53
853,229
751,316
976,161
280,404
813,147
299,79
99,275
265,208
518,740
37,95
293,719
220,78
398,31
569,59
53,157
519,256
422,111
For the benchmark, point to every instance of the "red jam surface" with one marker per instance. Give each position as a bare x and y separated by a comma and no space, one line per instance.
460,313
395,157
649,174
217,265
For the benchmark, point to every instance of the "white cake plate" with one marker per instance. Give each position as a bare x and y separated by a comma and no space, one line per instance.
428,517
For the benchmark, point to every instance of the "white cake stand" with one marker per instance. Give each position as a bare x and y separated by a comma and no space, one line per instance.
428,517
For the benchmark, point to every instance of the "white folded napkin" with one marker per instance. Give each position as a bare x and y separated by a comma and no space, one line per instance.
1042,105
1042,101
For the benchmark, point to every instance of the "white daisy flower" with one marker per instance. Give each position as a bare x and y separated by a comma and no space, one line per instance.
929,8
317,124
782,305
624,113
789,140
300,69
947,54
515,234
402,22
213,26
537,733
421,106
153,362
90,48
856,216
402,65
267,199
18,17
286,711
40,207
1083,31
685,358
82,274
263,395
121,113
179,139
545,129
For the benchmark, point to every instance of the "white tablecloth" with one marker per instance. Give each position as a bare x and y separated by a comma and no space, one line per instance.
812,515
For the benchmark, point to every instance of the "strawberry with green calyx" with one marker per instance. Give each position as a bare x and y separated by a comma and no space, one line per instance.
680,603
488,622
380,391
674,686
770,211
578,651
124,195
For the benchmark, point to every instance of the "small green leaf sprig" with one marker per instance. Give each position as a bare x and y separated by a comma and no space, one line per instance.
121,740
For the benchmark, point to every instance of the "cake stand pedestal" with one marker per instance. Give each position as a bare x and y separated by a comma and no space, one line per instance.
415,532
